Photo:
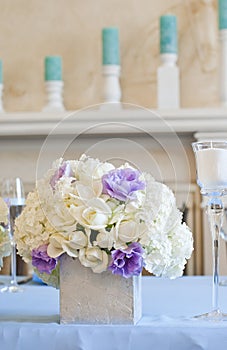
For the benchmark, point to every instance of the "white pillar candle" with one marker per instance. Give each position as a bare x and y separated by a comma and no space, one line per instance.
212,168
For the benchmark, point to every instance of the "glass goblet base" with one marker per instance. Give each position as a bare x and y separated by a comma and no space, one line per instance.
12,288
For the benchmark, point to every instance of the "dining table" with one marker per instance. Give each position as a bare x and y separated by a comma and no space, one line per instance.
29,320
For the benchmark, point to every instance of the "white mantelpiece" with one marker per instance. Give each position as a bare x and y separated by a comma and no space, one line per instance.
119,121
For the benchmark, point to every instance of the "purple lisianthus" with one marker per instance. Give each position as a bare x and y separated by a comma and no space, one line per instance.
122,183
42,261
63,170
127,262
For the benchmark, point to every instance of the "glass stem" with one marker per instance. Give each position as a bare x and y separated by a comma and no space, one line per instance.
13,265
215,214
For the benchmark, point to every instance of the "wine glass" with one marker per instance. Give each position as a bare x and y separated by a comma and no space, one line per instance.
223,235
13,194
211,164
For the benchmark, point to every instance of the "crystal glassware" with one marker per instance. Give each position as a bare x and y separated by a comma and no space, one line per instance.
211,164
13,194
223,235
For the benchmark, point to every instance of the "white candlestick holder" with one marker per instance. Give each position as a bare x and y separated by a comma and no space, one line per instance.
54,93
111,84
168,82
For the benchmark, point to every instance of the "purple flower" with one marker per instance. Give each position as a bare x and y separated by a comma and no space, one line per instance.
63,170
42,261
127,262
122,183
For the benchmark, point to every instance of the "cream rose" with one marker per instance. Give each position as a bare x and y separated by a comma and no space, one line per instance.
95,258
70,245
105,239
90,169
95,215
129,231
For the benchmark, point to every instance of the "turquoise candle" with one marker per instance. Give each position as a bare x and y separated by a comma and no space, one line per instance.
1,72
222,14
53,68
110,46
168,34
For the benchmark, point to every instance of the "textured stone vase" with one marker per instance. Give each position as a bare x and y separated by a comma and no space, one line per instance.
91,298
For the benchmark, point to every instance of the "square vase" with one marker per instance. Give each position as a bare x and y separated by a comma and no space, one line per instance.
97,298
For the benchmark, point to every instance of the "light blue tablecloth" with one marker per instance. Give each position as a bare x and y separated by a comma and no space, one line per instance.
30,320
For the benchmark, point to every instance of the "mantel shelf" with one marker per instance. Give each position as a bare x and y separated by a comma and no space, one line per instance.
114,121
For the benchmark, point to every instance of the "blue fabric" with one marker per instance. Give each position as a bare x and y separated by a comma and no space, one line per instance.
30,320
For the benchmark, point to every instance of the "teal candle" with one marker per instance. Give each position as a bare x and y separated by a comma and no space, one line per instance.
53,68
168,34
1,72
110,46
222,14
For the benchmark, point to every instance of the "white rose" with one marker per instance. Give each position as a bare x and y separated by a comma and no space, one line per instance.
90,169
59,244
129,231
102,169
86,192
55,248
105,239
60,218
77,240
95,258
95,215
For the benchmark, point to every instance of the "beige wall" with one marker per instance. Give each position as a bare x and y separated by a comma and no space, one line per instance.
32,29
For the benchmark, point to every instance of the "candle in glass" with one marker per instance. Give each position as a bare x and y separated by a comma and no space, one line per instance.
212,168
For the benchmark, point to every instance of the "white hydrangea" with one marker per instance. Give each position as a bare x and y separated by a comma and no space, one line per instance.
3,212
167,242
32,228
5,245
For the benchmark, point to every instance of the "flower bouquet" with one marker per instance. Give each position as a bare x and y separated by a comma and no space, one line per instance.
5,245
107,218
